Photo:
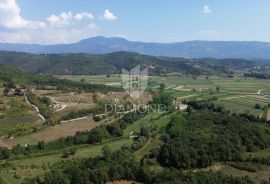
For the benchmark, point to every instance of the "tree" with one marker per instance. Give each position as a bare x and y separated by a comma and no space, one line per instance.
162,99
97,134
218,88
258,106
6,91
55,177
18,92
107,151
115,129
145,131
162,86
72,151
41,145
82,80
95,98
4,153
65,154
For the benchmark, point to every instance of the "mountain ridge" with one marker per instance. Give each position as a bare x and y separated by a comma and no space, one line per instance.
187,49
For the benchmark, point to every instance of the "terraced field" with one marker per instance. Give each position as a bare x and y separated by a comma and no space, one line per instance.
73,99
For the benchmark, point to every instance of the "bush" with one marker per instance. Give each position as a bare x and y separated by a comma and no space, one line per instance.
65,154
72,151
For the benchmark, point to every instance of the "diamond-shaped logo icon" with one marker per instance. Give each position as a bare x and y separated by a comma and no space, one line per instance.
135,81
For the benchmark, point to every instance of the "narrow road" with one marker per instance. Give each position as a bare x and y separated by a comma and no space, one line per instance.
36,108
100,115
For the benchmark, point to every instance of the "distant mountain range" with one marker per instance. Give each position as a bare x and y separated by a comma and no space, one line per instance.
189,49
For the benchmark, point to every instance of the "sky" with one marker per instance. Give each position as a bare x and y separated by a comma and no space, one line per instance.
69,21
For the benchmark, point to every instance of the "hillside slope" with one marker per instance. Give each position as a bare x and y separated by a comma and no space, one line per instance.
89,64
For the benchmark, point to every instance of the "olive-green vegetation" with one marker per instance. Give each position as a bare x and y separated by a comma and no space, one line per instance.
10,76
121,165
224,122
198,139
87,64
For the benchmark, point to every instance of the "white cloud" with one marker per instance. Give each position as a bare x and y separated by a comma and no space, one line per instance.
207,9
60,20
108,15
47,36
10,17
84,15
66,18
53,30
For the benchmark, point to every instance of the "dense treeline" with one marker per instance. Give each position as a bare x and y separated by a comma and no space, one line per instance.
200,138
88,64
207,104
121,165
11,75
258,75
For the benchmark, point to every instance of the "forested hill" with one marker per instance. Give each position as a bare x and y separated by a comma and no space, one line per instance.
114,62
11,77
189,49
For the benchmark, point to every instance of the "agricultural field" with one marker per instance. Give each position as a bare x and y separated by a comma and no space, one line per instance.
16,112
53,132
238,94
113,79
187,83
72,99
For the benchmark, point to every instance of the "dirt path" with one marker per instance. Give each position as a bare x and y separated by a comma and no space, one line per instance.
4,145
36,108
235,97
189,96
76,119
268,115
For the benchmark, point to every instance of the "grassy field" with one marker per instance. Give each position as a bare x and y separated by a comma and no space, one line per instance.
114,80
258,177
237,84
15,111
54,132
146,121
38,165
244,104
242,85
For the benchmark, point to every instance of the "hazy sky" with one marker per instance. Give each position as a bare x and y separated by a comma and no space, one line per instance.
65,21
